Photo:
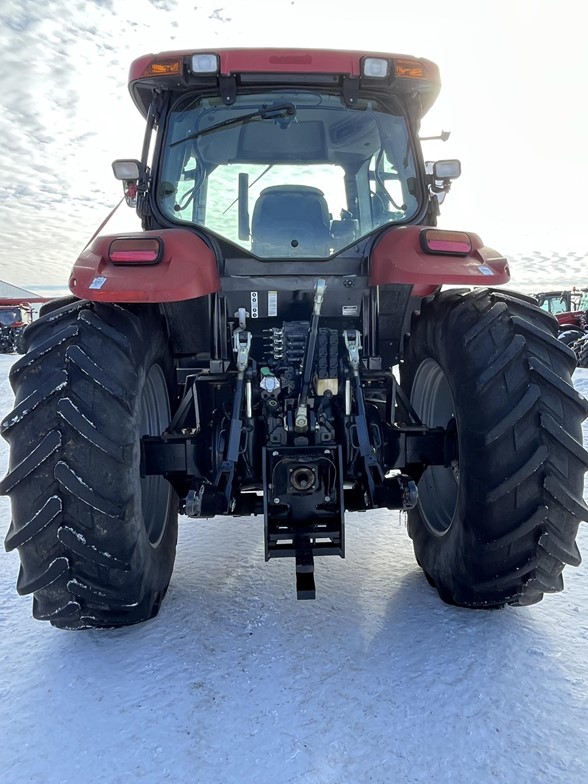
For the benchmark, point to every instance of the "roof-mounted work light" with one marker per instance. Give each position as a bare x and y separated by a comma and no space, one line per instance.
204,63
375,67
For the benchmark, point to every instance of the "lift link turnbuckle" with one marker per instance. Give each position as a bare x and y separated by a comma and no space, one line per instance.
241,347
372,468
226,472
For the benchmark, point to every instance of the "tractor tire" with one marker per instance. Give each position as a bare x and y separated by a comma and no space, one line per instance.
580,349
498,524
96,540
570,336
19,341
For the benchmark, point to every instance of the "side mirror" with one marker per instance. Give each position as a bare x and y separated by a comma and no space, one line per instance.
446,170
133,176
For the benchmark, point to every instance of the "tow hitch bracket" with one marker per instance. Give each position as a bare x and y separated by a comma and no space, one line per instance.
304,508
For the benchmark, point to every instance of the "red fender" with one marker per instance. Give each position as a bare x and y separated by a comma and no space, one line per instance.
571,318
399,256
187,269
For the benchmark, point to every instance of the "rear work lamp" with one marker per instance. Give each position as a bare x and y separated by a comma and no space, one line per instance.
135,250
455,243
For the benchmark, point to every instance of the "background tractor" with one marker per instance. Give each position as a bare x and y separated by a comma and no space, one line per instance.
570,308
13,320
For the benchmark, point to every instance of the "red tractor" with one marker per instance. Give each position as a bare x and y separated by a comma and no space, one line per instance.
276,342
13,319
570,308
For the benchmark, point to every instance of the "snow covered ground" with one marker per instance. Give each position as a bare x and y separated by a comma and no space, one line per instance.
237,682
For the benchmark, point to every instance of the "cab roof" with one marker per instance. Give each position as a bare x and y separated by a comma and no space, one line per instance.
417,79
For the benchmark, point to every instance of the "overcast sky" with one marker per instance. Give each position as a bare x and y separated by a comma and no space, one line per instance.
514,76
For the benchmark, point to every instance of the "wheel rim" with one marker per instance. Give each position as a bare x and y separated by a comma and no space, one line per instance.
438,486
155,490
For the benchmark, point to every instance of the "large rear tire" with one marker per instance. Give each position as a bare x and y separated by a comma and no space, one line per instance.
580,349
570,336
19,340
497,524
96,541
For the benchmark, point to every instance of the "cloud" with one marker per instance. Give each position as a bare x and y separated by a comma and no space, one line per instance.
217,14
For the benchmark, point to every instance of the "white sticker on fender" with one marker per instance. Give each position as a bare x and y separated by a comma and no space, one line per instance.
97,283
486,270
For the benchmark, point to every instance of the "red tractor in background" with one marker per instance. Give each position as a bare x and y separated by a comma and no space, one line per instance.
570,308
13,320
276,342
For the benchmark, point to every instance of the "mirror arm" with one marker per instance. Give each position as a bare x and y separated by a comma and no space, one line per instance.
443,136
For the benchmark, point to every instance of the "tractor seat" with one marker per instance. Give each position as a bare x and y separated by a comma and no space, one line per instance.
290,220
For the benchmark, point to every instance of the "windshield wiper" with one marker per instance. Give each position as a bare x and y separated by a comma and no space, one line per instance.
268,113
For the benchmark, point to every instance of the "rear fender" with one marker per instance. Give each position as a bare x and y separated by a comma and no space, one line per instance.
570,318
187,269
399,256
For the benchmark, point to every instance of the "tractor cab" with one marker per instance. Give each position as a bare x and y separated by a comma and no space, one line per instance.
285,155
11,316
